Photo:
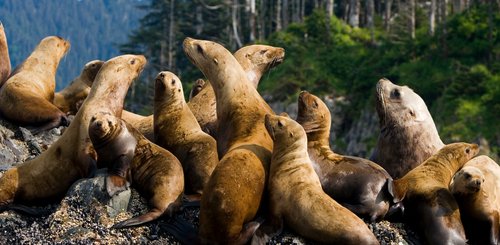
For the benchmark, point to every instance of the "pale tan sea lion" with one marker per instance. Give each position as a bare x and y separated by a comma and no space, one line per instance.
47,177
176,129
26,97
233,194
131,158
5,66
429,205
358,184
408,135
70,98
296,195
255,60
476,187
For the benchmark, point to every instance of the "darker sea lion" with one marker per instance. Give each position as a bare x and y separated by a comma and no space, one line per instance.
47,177
358,184
197,87
176,129
4,56
26,97
131,158
70,98
429,205
234,192
476,187
296,195
255,61
408,135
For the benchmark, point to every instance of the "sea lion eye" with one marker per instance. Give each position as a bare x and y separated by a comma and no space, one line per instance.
92,119
132,62
315,104
110,124
396,93
173,81
199,49
467,176
280,124
467,150
162,75
263,51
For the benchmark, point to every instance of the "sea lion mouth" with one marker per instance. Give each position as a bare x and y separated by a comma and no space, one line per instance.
269,127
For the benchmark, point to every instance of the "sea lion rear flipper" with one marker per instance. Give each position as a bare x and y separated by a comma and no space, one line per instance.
248,231
32,211
181,230
149,216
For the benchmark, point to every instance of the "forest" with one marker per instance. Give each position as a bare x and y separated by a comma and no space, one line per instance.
447,51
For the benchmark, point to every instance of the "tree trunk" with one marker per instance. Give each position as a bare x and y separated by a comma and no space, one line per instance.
387,15
278,15
411,19
285,13
444,35
171,39
432,17
261,21
302,10
354,13
234,18
199,20
329,8
251,20
370,12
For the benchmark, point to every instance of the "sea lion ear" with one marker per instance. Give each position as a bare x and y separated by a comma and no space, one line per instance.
284,114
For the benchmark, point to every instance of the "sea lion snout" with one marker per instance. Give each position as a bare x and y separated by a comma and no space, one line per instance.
269,127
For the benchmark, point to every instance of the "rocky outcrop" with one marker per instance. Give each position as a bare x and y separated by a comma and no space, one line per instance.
86,213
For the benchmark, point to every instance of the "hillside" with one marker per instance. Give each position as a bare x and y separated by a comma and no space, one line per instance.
94,28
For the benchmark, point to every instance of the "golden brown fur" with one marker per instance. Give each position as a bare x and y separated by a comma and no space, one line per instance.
476,187
70,98
233,194
358,184
177,130
4,56
429,205
408,135
296,195
47,177
131,158
255,60
26,97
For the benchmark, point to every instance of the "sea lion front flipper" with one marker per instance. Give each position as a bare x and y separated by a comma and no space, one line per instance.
118,175
248,231
270,228
31,211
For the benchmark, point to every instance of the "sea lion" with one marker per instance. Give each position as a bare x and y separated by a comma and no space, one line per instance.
197,87
4,56
294,187
131,158
358,184
428,203
233,194
47,177
408,135
176,129
476,187
33,83
255,60
70,98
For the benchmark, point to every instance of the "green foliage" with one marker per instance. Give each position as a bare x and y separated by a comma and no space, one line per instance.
456,72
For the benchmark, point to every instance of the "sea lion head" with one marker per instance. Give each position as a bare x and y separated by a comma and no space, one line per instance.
258,59
209,56
197,87
458,153
168,87
399,105
103,126
467,181
127,67
284,131
90,70
314,116
54,43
